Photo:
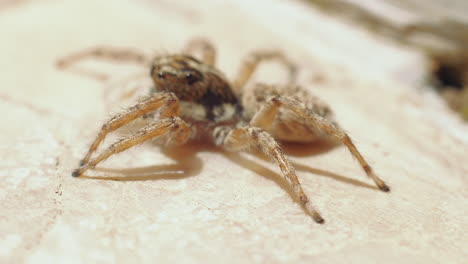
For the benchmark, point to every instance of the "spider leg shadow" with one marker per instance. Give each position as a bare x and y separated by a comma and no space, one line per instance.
253,166
297,150
319,147
294,149
337,177
187,165
265,172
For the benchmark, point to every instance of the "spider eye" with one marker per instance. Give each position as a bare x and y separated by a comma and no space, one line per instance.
191,79
161,75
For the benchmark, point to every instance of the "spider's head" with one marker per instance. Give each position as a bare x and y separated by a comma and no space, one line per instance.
183,75
191,80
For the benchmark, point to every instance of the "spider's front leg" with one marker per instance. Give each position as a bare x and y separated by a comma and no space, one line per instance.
167,103
239,139
159,128
265,117
206,49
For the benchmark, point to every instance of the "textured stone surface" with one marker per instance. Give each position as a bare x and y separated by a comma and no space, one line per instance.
198,204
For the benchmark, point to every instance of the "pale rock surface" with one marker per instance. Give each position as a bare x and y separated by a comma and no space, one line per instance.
197,204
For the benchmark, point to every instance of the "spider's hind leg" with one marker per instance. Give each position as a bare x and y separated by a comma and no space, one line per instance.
253,60
104,53
265,117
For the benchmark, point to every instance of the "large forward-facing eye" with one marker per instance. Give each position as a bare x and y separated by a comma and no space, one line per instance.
191,78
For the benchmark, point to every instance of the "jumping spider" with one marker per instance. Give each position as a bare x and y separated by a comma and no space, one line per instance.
194,101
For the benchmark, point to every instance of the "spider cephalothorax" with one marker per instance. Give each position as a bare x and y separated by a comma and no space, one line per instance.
193,101
197,85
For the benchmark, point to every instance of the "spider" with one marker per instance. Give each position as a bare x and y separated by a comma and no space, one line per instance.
192,100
